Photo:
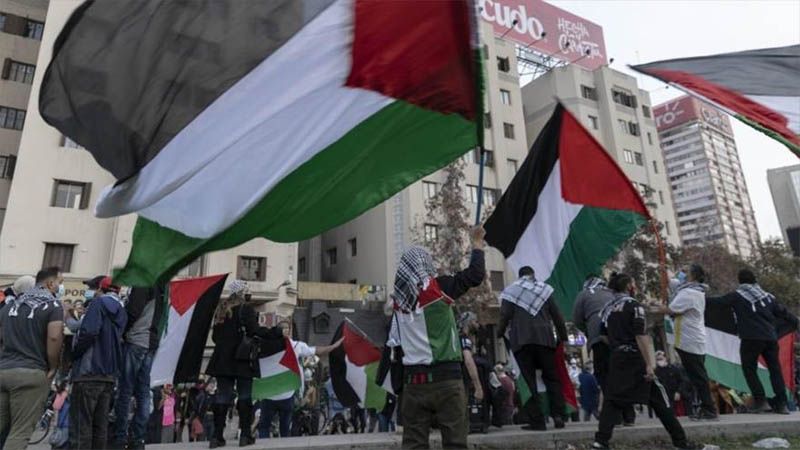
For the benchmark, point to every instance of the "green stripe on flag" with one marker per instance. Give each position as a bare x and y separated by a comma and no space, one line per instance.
595,236
441,327
730,375
376,395
771,133
278,384
398,145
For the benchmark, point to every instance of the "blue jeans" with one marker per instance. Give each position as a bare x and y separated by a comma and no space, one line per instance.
268,410
135,382
385,424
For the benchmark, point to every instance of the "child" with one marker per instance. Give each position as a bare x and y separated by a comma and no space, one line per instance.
167,407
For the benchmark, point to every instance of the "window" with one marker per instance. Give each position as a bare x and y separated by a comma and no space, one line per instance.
489,196
487,120
503,65
431,232
352,244
633,127
331,256
646,111
301,266
649,138
505,96
488,157
17,71
2,22
11,118
655,167
666,227
589,92
472,193
593,122
623,126
661,197
69,143
195,268
508,130
70,194
497,280
639,158
35,30
251,268
512,165
623,98
7,164
58,255
429,189
628,155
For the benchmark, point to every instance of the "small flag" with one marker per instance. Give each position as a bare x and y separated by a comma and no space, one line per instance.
567,211
192,303
759,87
354,367
223,121
280,373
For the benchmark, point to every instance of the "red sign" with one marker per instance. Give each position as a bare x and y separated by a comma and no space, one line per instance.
686,109
566,36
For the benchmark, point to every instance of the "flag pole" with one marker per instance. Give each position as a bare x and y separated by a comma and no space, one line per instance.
662,261
480,183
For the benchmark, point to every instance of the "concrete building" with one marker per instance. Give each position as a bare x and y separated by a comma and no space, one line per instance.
21,29
365,250
784,184
613,108
708,186
49,218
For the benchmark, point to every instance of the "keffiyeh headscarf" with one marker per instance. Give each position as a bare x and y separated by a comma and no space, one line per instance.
238,289
620,299
753,293
38,297
593,284
528,294
414,272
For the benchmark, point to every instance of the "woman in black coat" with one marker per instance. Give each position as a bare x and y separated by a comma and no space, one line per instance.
234,318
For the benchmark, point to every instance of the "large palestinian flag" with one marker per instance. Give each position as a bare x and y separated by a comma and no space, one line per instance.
354,367
568,209
524,390
228,120
759,87
723,363
280,373
192,303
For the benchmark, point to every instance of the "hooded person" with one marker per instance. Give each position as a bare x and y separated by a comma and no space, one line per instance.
98,357
432,354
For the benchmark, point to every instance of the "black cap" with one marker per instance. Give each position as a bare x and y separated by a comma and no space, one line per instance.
94,283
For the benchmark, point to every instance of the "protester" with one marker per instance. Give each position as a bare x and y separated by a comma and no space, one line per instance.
467,322
632,367
586,317
589,392
144,311
756,313
672,378
687,307
432,356
536,328
167,407
505,411
235,320
97,349
30,345
385,422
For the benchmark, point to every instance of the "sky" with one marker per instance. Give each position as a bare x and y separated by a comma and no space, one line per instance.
650,30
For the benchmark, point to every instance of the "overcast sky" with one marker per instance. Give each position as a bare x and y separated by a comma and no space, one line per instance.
639,31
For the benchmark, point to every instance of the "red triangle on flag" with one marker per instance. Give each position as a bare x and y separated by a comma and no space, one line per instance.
289,359
183,294
359,350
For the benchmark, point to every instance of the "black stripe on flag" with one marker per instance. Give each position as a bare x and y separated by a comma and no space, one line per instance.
191,357
127,76
519,203
338,369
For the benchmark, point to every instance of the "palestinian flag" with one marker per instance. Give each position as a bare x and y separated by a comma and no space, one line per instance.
223,121
723,362
568,209
354,367
280,373
759,87
192,303
524,391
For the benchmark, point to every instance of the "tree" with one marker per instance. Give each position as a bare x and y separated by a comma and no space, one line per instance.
449,245
778,272
640,259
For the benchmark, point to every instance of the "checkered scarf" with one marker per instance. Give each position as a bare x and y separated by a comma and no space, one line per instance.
35,298
414,272
754,294
616,305
593,284
528,294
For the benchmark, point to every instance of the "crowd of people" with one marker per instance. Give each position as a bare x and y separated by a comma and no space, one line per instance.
91,360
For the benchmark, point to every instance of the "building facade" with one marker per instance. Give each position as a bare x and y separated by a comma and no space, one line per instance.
708,187
49,219
21,29
784,184
619,115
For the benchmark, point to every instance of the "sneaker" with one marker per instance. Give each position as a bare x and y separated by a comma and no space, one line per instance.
689,445
706,416
558,422
216,443
535,427
759,407
781,410
629,424
598,446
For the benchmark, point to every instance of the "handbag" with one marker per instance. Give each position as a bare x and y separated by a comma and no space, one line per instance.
247,350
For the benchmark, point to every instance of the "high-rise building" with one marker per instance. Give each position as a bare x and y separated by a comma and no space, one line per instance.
49,219
21,28
618,114
708,187
784,184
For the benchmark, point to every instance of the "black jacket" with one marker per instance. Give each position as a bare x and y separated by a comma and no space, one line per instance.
137,300
227,336
527,329
459,283
760,324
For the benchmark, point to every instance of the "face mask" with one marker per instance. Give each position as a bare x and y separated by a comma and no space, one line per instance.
681,276
661,363
89,294
61,290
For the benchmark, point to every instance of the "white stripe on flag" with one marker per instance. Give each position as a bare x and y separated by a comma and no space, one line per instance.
169,350
789,107
357,378
270,365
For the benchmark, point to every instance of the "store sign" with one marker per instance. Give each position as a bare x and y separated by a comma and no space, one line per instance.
548,29
686,109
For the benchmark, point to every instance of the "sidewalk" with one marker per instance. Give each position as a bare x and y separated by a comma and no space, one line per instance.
512,437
